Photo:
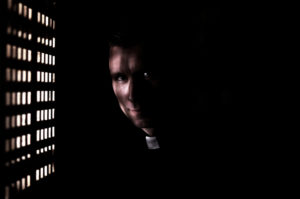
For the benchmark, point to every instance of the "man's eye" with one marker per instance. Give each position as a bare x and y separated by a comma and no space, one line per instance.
120,78
148,75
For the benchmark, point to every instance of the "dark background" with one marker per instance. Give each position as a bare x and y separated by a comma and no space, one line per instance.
87,115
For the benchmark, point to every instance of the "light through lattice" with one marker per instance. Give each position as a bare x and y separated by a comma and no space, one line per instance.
27,62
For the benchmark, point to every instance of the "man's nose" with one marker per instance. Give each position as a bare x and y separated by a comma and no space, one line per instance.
133,91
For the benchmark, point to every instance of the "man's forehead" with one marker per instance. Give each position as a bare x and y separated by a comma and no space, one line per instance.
125,60
115,50
140,55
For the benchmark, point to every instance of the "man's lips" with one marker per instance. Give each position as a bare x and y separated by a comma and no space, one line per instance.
135,110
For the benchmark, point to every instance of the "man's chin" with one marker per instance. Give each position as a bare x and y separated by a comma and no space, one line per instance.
142,123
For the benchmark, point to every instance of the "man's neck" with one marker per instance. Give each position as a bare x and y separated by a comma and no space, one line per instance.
149,131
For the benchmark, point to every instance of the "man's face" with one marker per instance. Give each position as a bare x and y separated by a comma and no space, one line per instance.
135,85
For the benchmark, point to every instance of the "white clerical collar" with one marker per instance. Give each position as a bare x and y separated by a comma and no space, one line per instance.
152,142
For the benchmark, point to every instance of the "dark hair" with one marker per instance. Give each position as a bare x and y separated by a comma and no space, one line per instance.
127,35
130,29
127,30
165,39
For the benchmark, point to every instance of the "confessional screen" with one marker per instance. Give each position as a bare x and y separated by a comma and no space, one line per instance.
27,97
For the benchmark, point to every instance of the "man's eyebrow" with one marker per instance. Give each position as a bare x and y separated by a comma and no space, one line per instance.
114,74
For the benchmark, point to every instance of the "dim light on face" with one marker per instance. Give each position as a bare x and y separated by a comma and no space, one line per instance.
134,85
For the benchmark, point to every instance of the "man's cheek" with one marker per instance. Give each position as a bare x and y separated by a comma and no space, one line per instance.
117,93
121,102
123,109
120,98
